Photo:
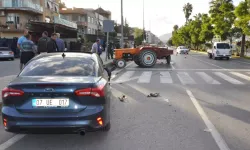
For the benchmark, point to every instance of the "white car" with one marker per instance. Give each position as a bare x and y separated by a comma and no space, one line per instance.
182,50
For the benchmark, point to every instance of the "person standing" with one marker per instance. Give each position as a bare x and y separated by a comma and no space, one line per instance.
110,50
42,43
95,47
60,43
51,44
28,50
19,42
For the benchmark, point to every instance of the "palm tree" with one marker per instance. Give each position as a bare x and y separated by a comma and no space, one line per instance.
187,9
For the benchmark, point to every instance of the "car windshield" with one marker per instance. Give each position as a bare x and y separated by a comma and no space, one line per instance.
183,47
223,46
4,49
59,66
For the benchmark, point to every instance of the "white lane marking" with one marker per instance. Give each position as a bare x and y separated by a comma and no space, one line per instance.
185,78
227,78
165,77
216,135
172,65
11,141
162,69
241,75
145,77
207,78
243,62
209,63
118,71
125,76
248,72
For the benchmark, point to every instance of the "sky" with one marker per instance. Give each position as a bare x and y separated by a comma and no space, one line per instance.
160,15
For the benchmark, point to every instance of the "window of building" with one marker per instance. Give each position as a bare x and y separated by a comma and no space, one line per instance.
13,18
89,31
92,20
88,19
75,18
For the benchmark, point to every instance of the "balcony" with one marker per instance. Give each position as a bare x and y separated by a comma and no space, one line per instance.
25,5
12,28
64,22
82,23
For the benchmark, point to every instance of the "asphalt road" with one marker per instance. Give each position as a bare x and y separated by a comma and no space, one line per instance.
203,105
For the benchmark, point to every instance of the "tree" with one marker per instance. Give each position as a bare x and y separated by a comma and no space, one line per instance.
195,30
206,33
170,42
187,9
222,17
62,4
138,34
243,21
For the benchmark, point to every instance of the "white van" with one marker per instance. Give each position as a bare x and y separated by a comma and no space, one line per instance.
220,50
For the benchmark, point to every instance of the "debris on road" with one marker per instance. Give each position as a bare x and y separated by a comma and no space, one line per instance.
207,130
154,95
122,99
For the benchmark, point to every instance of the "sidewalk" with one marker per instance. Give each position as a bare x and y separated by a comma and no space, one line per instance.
103,56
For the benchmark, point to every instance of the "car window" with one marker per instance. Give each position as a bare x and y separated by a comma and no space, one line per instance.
59,66
4,49
223,46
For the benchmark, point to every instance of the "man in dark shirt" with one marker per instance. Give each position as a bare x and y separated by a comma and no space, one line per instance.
42,43
51,45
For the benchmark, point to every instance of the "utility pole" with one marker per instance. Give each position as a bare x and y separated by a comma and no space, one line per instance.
143,23
122,24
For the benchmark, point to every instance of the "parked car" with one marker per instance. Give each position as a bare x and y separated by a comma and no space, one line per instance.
6,53
182,50
68,90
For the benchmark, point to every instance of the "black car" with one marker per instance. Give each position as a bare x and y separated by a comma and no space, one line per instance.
59,91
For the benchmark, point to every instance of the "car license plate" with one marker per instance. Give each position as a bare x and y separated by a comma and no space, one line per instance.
59,102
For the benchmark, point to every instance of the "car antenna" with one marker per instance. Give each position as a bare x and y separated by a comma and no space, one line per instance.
63,55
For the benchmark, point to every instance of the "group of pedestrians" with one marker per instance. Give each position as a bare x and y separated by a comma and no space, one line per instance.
45,44
96,48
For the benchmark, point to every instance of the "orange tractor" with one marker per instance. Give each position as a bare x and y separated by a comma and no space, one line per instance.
143,56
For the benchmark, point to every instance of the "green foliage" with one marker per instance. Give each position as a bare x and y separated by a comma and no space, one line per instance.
222,17
138,34
170,42
187,9
243,17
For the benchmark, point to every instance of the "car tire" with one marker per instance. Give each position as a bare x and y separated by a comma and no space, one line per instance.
168,58
228,58
210,56
147,53
107,127
12,59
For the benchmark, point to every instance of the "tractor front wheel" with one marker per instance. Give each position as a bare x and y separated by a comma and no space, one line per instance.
147,58
120,63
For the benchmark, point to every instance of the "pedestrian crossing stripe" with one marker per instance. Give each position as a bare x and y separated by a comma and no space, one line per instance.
185,78
208,79
241,75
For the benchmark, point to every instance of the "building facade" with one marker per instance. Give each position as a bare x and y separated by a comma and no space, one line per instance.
16,14
152,38
87,19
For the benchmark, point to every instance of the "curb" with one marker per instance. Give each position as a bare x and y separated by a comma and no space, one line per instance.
198,52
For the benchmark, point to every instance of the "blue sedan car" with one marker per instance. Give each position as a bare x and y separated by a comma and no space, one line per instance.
54,91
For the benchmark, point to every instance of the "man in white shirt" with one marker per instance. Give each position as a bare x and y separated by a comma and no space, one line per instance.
95,47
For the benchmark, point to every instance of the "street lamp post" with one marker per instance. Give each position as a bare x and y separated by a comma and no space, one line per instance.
121,23
143,23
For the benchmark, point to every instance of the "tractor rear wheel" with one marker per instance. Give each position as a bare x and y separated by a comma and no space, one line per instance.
147,58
